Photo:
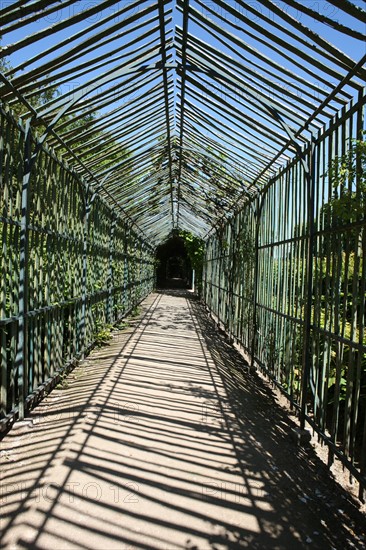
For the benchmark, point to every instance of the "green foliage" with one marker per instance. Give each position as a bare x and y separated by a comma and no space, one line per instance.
219,180
347,175
337,300
338,268
136,311
195,248
122,325
272,351
88,142
246,248
4,63
43,96
63,382
103,336
347,205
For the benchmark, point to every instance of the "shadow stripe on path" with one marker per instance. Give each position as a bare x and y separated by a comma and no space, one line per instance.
161,441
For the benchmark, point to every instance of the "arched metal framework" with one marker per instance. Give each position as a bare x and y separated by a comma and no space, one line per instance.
122,122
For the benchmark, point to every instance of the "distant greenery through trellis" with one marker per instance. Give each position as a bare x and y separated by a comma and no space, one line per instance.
195,249
259,268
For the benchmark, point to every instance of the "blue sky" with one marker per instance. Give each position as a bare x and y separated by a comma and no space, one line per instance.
250,147
354,49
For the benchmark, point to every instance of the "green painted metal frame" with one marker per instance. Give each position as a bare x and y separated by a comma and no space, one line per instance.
70,266
168,93
297,286
202,131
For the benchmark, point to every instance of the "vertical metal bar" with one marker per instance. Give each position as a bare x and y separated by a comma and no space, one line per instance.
83,314
21,361
110,279
336,254
15,265
257,217
4,271
307,359
167,109
38,285
229,314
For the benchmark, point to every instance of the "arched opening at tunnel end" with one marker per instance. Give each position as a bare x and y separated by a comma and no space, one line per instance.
174,268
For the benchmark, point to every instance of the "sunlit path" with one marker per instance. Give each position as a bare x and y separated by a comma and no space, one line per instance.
217,146
145,448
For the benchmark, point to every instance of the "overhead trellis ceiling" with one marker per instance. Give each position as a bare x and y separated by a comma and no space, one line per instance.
179,111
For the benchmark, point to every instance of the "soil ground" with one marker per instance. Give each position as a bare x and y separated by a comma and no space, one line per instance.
161,440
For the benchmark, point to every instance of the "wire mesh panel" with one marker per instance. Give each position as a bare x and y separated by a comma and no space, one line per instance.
70,266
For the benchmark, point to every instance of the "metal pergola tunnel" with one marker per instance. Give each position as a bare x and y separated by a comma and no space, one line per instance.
233,127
